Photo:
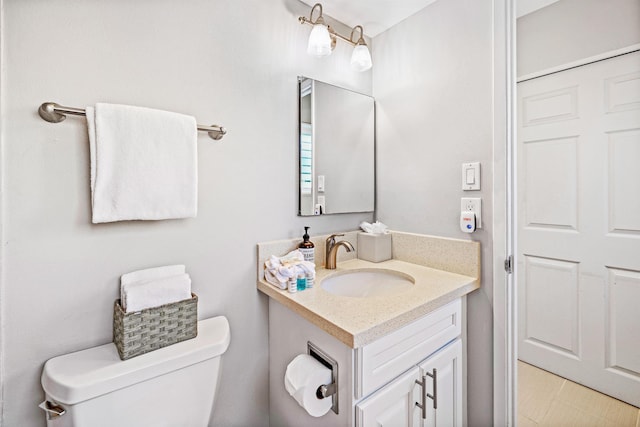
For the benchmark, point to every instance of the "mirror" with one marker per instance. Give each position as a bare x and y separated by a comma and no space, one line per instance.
335,149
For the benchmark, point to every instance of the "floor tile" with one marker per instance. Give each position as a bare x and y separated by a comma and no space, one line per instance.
547,399
537,390
621,414
598,404
526,422
585,399
562,414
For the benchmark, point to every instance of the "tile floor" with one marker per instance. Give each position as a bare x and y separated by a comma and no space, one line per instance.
545,399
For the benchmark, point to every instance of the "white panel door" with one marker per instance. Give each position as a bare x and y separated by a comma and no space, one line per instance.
394,405
579,225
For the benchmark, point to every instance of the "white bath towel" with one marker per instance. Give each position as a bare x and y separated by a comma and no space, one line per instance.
147,275
143,163
154,293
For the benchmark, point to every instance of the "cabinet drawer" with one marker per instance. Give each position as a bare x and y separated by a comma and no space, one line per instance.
383,360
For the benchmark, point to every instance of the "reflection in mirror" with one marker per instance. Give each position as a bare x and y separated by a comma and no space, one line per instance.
336,149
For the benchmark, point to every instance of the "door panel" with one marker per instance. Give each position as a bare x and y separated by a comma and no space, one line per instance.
552,304
579,225
624,321
624,173
550,183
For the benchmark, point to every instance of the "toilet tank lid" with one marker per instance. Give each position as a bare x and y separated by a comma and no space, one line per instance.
83,375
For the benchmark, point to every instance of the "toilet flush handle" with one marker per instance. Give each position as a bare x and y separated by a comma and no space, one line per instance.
53,410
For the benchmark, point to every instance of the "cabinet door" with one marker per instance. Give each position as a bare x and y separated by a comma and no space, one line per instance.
393,405
447,390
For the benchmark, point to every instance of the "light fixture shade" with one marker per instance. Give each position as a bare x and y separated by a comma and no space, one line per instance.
361,58
319,41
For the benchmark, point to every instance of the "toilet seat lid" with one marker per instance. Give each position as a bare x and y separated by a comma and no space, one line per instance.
83,375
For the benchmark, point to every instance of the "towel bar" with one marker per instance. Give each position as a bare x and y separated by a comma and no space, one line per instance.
54,113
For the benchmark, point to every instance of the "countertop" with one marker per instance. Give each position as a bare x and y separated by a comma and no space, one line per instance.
359,321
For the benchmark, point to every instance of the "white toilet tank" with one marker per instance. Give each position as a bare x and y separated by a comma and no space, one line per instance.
174,386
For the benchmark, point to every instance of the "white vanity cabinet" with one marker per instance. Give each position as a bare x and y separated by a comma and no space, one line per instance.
428,351
379,348
396,404
378,382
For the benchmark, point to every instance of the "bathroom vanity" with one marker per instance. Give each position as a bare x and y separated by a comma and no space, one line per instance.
400,352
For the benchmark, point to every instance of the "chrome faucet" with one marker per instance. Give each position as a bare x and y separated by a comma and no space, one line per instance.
331,250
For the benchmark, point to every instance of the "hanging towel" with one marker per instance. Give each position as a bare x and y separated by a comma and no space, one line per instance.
143,163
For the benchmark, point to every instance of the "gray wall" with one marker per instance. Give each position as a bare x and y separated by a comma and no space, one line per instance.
570,30
433,88
233,63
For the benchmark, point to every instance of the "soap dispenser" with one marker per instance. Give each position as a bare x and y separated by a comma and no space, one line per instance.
307,247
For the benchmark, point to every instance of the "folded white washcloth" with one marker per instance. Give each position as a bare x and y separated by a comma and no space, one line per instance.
291,258
143,163
277,270
273,279
147,275
273,268
156,292
306,267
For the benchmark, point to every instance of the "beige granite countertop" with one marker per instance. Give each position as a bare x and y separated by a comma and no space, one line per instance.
359,321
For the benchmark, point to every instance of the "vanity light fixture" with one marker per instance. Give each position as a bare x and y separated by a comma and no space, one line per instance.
322,40
361,57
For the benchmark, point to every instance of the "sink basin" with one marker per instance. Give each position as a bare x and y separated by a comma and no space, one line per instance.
367,283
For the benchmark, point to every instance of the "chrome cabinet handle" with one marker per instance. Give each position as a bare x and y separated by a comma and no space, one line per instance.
434,396
423,396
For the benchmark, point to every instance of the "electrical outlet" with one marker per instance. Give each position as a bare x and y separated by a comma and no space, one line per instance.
473,204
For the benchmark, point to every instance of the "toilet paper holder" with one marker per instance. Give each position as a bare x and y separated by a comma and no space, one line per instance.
326,390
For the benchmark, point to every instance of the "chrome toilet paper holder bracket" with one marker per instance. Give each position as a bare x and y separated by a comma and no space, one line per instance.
326,390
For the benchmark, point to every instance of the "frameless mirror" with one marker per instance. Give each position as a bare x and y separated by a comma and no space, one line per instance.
336,149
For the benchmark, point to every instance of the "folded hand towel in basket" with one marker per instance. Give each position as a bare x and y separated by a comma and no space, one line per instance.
148,274
155,292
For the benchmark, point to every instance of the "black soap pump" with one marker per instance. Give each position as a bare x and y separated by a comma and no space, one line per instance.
307,247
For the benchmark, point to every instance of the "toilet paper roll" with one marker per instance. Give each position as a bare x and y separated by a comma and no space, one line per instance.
303,377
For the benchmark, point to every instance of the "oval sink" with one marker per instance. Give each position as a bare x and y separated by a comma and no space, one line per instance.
367,283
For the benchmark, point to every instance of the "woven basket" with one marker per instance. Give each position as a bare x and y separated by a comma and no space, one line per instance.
153,328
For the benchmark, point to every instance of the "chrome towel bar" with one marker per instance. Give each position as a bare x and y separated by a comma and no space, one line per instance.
54,113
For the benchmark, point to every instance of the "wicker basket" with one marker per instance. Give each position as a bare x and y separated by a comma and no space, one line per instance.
153,328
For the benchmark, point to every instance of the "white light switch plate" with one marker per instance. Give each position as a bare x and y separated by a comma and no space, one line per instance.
471,176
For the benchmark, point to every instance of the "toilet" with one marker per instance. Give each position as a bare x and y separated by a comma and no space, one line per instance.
174,386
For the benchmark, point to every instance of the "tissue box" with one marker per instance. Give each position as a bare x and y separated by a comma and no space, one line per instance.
153,328
374,247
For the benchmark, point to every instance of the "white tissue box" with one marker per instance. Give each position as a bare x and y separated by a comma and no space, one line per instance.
374,247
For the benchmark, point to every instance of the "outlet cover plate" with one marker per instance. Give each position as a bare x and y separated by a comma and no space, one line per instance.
473,204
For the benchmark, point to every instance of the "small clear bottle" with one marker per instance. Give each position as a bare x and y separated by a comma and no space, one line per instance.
293,285
301,282
310,280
